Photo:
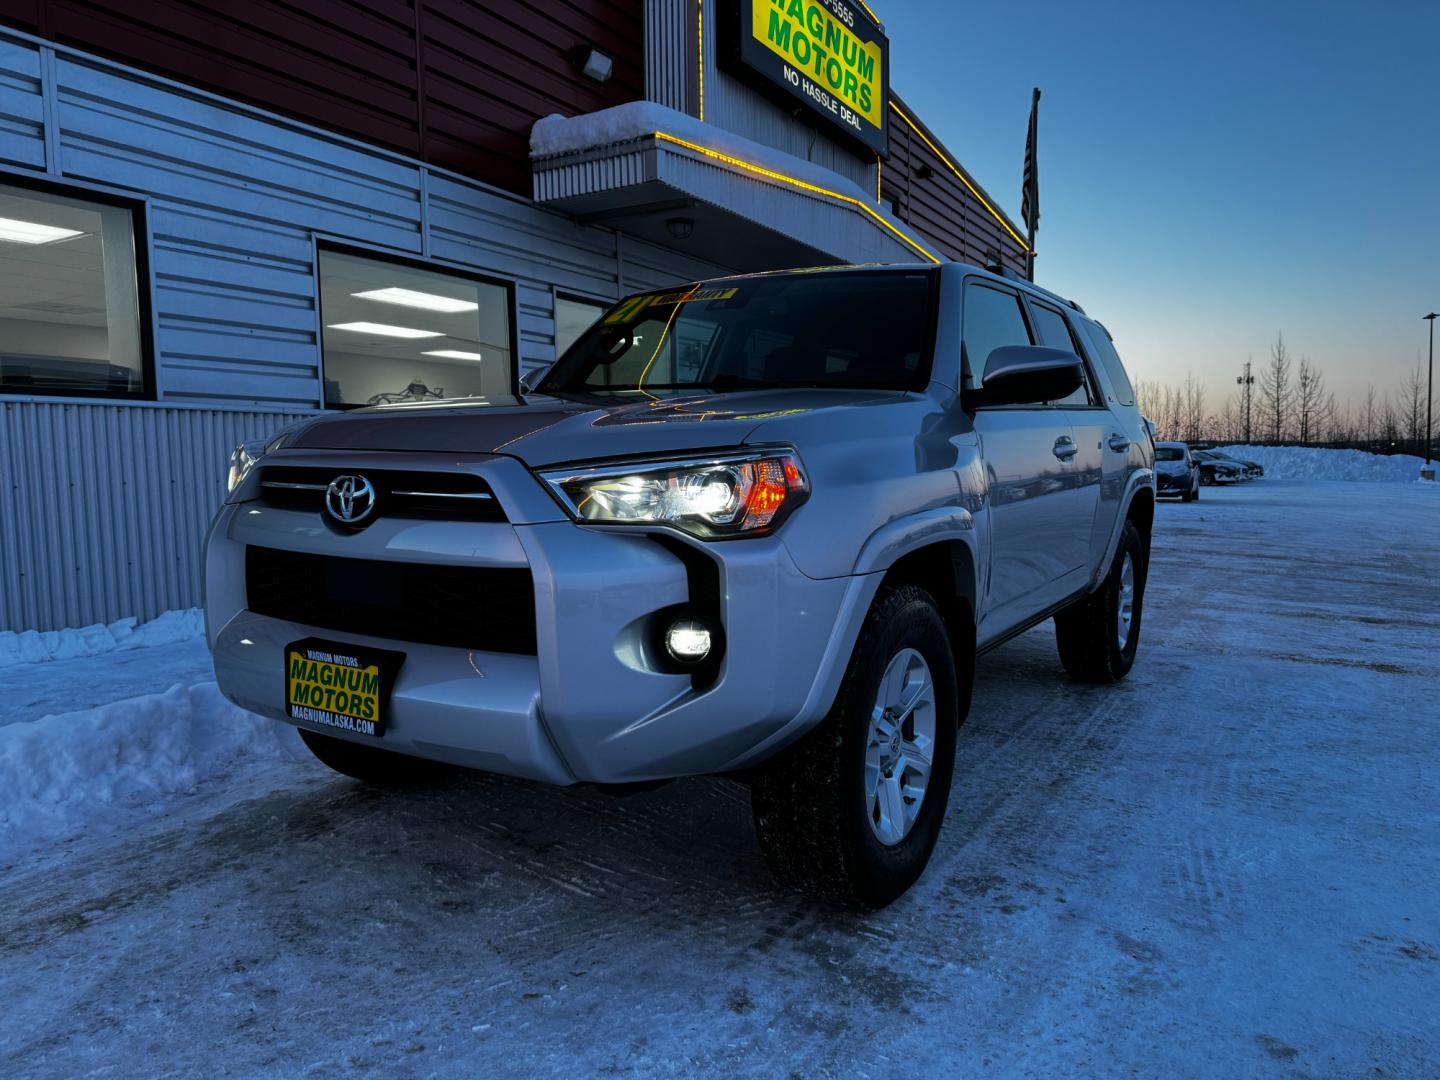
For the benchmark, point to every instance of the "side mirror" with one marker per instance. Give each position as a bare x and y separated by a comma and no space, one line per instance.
531,379
1027,374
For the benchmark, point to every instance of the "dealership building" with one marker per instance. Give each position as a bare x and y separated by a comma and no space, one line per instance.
218,219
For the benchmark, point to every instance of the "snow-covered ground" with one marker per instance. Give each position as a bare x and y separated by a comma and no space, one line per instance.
1224,866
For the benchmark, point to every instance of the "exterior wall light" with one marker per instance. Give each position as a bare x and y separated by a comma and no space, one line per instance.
680,227
595,64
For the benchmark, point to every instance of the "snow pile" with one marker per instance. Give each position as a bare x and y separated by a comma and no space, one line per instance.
62,770
556,134
34,646
1319,463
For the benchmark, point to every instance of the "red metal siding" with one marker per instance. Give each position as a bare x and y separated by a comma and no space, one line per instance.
493,68
22,13
455,82
940,207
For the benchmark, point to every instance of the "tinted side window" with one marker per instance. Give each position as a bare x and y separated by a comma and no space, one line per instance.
1105,351
992,318
1055,333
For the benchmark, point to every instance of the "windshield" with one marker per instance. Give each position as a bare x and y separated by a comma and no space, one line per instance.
851,328
1169,453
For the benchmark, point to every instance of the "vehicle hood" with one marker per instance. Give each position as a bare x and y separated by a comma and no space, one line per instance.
543,430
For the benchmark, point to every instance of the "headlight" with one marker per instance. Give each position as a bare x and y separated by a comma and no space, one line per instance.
242,460
715,497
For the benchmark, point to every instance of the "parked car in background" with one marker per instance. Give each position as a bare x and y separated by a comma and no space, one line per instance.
1253,469
1215,468
759,526
1176,471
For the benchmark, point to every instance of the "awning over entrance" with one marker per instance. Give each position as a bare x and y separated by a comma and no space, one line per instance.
662,175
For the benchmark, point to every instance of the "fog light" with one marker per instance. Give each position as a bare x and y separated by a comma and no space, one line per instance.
688,641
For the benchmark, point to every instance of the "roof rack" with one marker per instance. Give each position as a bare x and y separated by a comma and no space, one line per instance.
996,267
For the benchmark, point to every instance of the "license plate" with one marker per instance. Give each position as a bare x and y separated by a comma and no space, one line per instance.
331,684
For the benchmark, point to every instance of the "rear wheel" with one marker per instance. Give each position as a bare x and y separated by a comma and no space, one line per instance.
852,811
1098,636
371,764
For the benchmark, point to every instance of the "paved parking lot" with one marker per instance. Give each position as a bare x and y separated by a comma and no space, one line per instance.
1226,866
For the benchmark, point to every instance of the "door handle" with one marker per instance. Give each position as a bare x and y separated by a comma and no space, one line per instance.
1119,443
1065,448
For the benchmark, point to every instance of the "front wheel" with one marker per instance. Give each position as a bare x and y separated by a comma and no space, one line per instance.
852,811
1098,636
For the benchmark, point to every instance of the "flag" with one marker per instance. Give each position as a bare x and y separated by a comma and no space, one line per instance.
1030,186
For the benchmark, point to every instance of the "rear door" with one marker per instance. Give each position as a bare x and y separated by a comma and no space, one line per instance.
1027,450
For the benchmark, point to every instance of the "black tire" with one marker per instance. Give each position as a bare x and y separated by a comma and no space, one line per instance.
373,765
1189,495
809,802
1088,633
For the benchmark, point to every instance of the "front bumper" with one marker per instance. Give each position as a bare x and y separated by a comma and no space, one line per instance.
589,705
1165,484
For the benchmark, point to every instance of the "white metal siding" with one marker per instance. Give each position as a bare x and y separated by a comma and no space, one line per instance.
22,124
103,506
670,42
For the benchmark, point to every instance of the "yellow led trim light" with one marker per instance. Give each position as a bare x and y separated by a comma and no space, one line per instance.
956,170
700,51
781,178
869,12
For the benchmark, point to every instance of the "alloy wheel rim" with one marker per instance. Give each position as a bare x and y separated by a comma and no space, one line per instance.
1126,614
900,748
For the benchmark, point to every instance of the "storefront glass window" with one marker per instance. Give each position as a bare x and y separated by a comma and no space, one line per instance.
69,309
394,333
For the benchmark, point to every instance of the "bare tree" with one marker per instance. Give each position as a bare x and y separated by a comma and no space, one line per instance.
1172,412
1412,406
1389,421
1228,423
1192,408
1309,399
1367,422
1275,389
1147,393
1329,424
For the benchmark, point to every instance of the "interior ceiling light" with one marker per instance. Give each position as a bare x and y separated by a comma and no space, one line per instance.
32,232
453,354
423,300
382,330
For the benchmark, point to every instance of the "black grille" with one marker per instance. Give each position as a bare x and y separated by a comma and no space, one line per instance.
483,608
398,492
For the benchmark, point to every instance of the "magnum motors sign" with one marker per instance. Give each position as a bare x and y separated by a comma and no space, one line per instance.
825,54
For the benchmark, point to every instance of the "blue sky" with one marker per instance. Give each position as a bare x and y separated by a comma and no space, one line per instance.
1210,173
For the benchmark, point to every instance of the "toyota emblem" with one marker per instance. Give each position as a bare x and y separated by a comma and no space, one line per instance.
350,499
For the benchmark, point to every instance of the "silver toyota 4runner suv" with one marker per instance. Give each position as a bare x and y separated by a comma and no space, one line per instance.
758,526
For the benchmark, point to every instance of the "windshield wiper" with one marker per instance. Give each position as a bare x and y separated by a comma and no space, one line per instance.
720,382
